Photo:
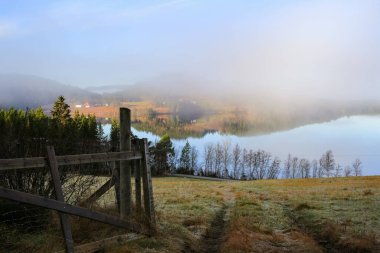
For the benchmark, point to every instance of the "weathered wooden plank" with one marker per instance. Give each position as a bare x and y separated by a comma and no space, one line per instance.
65,223
137,167
102,244
99,192
116,179
147,187
98,157
116,173
125,167
70,209
37,162
21,163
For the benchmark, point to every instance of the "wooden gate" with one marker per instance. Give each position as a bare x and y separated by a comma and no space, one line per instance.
126,157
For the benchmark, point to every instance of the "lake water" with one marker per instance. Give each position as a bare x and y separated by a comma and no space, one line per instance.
348,137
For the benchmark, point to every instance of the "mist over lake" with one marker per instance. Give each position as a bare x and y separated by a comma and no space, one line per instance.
348,137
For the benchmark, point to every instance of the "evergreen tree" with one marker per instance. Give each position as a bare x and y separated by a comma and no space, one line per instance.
185,160
163,152
115,135
100,133
61,111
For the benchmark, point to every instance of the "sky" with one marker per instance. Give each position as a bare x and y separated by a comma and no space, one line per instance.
322,48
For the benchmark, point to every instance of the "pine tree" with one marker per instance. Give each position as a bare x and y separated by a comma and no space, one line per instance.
185,160
163,152
115,135
61,111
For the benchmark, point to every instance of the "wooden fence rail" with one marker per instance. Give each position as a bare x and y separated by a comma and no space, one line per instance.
124,161
60,206
38,162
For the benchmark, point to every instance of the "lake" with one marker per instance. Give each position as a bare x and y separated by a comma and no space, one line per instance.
348,137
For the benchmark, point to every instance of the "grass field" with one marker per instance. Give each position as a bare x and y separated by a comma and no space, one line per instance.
193,215
300,215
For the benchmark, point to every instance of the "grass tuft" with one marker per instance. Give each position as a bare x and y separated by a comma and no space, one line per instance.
303,206
368,192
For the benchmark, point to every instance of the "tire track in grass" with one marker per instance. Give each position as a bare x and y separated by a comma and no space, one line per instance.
282,237
214,236
325,245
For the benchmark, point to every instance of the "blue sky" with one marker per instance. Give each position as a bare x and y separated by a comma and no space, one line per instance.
258,45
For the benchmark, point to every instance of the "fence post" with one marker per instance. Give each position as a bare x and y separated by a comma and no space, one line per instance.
59,196
125,168
147,186
116,179
138,177
116,176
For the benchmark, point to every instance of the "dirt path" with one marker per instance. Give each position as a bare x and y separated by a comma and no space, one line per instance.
214,236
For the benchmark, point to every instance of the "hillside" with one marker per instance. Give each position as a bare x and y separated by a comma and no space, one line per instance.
170,104
300,215
296,215
22,91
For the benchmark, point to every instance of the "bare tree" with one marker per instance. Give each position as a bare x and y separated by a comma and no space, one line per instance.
226,158
304,168
327,163
294,167
287,166
347,171
236,160
338,170
315,167
243,164
208,158
176,158
218,159
264,159
357,165
256,164
274,169
250,163
194,158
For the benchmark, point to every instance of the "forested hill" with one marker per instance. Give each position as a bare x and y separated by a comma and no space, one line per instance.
22,91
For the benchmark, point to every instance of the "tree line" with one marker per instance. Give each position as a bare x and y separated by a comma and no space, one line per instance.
224,160
26,133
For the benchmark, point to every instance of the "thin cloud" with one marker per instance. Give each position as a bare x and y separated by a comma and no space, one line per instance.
7,29
154,8
292,48
88,15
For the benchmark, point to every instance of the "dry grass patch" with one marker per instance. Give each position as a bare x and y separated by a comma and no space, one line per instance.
301,215
302,206
341,213
368,192
184,210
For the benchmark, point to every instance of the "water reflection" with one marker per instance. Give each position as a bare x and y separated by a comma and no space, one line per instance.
348,137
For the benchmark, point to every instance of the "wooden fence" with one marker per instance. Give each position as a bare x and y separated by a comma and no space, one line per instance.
138,158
